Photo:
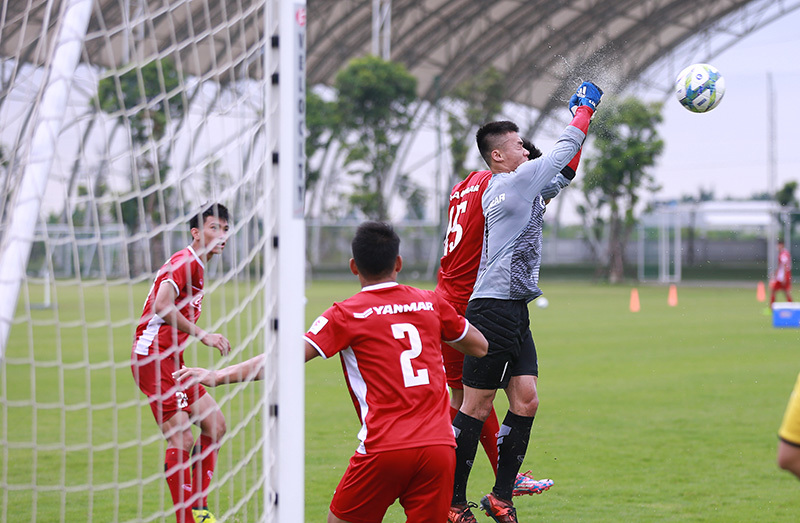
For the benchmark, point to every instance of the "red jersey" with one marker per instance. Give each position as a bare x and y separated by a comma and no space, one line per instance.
784,272
458,267
388,338
184,271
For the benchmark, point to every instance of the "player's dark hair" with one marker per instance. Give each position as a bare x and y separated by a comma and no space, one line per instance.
215,209
375,249
533,151
489,135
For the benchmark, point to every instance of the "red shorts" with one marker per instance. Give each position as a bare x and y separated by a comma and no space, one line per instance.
781,285
421,478
153,375
453,359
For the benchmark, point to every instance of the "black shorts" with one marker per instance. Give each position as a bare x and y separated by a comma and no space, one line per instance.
506,326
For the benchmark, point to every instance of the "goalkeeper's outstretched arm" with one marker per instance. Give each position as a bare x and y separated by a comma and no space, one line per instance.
582,105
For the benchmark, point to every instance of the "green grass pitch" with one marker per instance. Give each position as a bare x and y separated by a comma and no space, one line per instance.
667,414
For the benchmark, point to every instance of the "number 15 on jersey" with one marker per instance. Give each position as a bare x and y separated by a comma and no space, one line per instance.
454,227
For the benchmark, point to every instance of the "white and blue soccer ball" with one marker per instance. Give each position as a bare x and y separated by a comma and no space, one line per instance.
700,87
542,302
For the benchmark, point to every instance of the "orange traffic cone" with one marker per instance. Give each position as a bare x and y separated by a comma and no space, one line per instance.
634,300
672,299
761,294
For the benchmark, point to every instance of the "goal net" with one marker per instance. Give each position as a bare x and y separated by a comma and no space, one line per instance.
119,121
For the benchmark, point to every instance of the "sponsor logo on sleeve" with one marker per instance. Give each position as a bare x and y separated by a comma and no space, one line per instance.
318,324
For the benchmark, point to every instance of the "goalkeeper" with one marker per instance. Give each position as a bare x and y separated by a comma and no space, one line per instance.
506,283
169,317
458,269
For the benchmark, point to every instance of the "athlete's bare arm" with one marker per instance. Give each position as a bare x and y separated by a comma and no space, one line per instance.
311,352
473,344
249,370
164,306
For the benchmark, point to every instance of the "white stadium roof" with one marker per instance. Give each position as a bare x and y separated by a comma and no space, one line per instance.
544,47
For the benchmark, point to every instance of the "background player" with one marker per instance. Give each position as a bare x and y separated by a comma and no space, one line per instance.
458,269
170,316
388,339
782,279
506,283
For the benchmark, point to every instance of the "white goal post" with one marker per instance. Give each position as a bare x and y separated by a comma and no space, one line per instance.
119,121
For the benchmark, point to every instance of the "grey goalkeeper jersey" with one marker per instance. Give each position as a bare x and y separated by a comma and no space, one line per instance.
514,209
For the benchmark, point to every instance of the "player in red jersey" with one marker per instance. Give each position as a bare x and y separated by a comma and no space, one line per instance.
782,280
387,337
170,316
458,269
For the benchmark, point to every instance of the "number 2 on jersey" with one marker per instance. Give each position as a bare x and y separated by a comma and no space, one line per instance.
454,227
410,377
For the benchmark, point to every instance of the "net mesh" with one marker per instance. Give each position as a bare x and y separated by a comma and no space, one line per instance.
164,113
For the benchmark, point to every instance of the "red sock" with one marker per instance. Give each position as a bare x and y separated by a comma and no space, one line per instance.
176,465
489,438
203,469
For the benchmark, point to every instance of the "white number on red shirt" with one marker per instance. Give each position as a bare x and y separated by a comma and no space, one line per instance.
410,377
454,226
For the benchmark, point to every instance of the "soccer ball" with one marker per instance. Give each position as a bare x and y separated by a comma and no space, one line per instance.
542,302
700,87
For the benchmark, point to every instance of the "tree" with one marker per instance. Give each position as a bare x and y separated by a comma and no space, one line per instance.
138,97
374,110
484,96
786,198
144,86
321,128
627,143
785,195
